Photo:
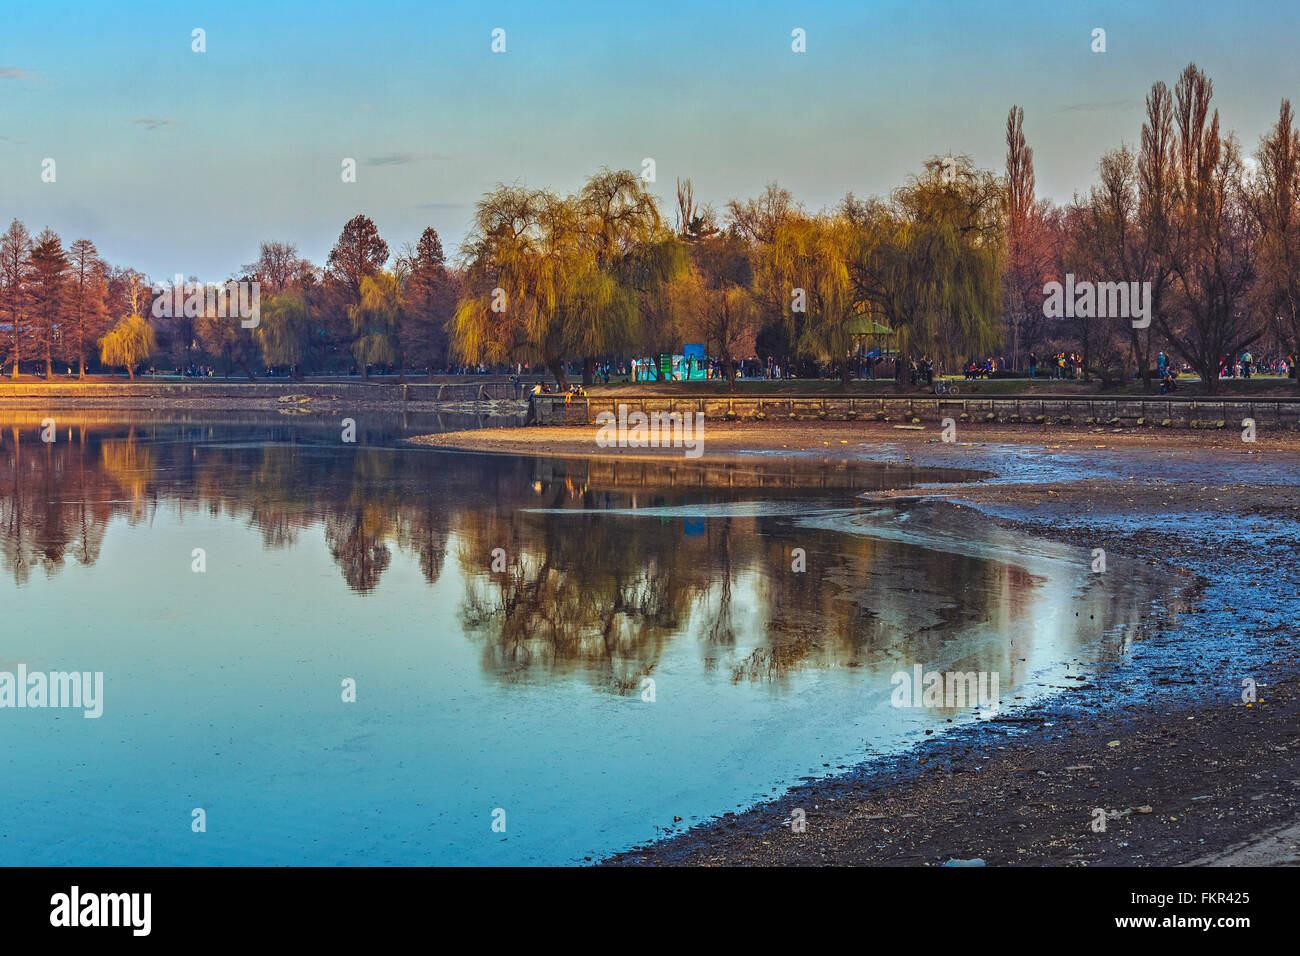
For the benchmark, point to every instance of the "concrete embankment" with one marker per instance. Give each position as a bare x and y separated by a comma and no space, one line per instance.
1156,411
386,392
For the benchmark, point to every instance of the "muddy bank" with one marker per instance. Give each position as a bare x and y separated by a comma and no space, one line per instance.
1159,743
847,439
1216,784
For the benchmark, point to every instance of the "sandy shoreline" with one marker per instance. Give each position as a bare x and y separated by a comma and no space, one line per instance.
841,439
1185,772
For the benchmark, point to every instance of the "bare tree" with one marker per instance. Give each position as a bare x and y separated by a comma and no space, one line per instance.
756,219
15,275
89,290
278,264
1022,295
1276,209
685,207
1157,187
1209,245
49,295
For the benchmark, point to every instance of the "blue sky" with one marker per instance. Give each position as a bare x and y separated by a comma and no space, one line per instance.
174,161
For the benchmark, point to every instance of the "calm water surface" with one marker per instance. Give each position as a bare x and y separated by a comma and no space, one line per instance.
523,690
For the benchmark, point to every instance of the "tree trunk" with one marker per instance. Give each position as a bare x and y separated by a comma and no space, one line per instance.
588,367
243,364
1142,361
556,367
130,373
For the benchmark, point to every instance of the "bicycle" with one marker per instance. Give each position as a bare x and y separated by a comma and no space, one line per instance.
946,388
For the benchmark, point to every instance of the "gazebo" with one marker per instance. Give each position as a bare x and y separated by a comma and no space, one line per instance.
870,336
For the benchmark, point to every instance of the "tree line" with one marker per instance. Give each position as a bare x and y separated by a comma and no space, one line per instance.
953,264
956,263
67,305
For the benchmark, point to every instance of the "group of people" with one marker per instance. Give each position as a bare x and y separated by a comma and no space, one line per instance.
1247,365
922,372
976,369
544,388
1168,374
1241,368
1062,365
991,365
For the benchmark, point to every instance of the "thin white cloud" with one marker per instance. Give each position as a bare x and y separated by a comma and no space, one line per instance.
153,123
15,73
401,159
1097,106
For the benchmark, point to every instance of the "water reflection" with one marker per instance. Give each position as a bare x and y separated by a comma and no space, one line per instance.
59,497
604,561
480,688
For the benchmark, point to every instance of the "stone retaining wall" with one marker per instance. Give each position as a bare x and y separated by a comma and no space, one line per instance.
468,391
1156,412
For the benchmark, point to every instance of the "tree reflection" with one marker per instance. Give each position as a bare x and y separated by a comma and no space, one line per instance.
594,584
579,592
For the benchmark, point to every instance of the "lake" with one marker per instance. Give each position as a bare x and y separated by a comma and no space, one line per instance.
579,650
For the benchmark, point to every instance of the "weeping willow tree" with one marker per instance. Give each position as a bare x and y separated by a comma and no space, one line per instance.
128,343
286,331
661,267
626,253
806,267
377,322
929,262
600,313
550,278
518,256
